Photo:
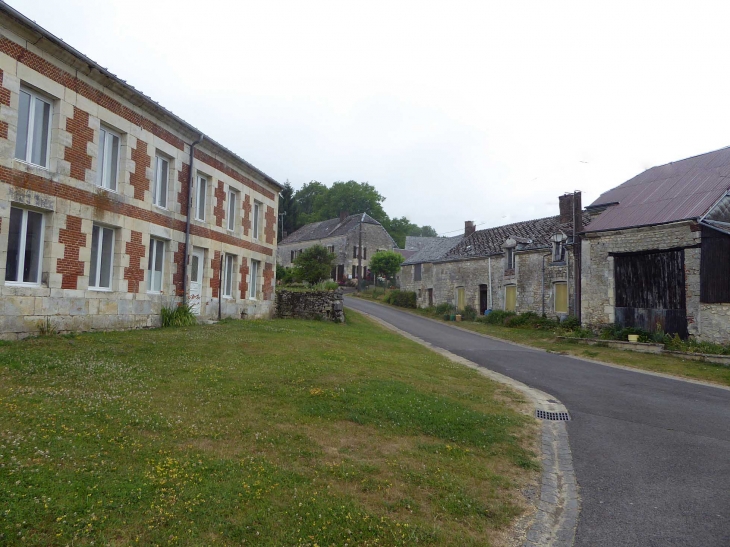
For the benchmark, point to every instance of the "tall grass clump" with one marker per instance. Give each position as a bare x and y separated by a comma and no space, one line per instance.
180,316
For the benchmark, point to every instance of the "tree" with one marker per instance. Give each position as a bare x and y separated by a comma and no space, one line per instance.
314,264
353,197
399,228
288,205
386,263
423,231
307,200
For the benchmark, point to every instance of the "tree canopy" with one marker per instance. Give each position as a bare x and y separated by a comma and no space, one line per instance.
386,263
314,264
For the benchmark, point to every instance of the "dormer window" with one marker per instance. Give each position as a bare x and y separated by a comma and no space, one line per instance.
510,258
558,251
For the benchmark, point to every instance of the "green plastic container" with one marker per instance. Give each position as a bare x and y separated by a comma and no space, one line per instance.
452,317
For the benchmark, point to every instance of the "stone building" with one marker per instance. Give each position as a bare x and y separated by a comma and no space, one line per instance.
658,255
525,266
99,227
342,237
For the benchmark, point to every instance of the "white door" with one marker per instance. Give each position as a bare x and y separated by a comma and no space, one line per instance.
196,279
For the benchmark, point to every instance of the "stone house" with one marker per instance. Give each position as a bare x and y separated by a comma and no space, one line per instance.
342,237
111,206
658,255
525,266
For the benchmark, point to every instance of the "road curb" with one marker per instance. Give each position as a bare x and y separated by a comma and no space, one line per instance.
559,505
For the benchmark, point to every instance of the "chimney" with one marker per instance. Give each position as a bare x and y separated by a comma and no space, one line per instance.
469,227
566,208
343,216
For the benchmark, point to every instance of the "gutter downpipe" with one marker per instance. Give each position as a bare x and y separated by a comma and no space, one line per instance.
489,300
187,220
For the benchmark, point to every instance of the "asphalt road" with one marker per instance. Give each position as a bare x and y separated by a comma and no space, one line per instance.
651,454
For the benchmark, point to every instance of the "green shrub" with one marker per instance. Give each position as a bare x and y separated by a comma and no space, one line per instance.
180,316
469,314
445,308
403,299
326,286
497,317
675,343
570,323
617,332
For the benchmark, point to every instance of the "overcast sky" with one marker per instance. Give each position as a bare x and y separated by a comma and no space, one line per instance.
454,111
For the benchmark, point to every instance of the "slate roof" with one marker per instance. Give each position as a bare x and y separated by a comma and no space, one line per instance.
328,228
434,249
416,243
530,234
680,190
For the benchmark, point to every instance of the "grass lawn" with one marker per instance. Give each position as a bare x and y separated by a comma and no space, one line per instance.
256,432
545,339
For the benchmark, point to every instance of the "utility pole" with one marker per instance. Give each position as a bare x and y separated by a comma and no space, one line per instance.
359,254
281,221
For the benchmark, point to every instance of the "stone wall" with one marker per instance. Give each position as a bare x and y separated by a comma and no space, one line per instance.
715,323
597,267
327,305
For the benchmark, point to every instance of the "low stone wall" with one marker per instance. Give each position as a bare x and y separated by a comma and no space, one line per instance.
327,305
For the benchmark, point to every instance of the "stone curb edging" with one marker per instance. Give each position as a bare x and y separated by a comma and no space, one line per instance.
559,505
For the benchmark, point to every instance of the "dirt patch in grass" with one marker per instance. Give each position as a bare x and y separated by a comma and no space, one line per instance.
260,433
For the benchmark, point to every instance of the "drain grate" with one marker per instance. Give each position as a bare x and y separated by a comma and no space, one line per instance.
553,416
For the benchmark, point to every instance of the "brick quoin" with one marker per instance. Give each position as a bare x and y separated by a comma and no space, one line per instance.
4,99
178,258
268,280
66,79
243,285
270,231
134,273
70,266
246,216
219,211
138,178
215,283
183,197
81,135
36,183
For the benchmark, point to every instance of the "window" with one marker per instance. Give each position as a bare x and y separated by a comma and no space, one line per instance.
228,273
560,290
231,210
558,251
460,298
25,247
510,255
102,256
108,159
364,253
159,187
331,249
256,220
293,253
200,198
34,128
157,259
254,279
417,272
510,298
354,272
354,252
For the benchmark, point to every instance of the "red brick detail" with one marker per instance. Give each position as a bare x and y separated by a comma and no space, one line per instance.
70,266
66,79
270,230
134,273
219,211
81,135
178,258
183,196
4,99
243,285
138,178
268,280
246,216
113,204
215,281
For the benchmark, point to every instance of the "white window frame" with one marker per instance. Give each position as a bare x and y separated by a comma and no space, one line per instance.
35,96
21,250
558,251
256,220
94,284
104,161
253,279
509,253
229,275
157,194
202,183
231,212
153,260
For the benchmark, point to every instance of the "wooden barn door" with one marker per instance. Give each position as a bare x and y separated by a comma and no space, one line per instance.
650,291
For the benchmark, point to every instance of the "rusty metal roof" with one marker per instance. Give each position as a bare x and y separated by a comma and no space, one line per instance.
680,190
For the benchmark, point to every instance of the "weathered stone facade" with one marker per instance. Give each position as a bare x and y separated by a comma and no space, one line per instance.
327,305
64,189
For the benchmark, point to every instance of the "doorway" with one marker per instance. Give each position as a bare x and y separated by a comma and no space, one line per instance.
483,299
196,279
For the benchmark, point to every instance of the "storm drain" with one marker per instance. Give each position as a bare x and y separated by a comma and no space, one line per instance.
553,416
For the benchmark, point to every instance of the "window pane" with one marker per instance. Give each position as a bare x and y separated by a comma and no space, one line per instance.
162,198
41,119
228,275
255,220
202,188
13,259
93,271
103,157
159,256
254,275
231,210
194,269
113,163
107,247
21,145
33,238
